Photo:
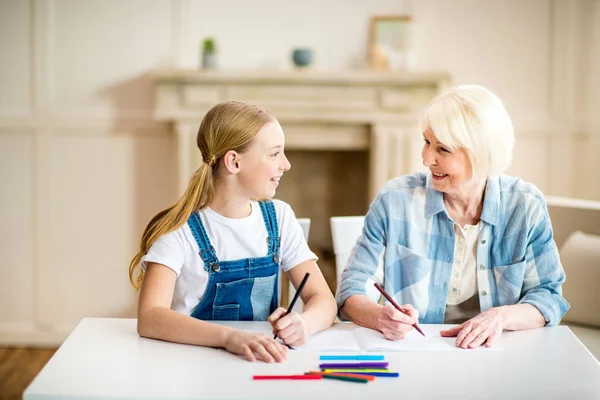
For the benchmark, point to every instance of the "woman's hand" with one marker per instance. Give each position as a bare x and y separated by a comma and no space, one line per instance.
250,344
290,328
485,328
395,325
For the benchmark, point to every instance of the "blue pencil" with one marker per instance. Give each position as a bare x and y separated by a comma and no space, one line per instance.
355,357
381,374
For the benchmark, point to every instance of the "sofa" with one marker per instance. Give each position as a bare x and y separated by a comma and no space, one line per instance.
576,226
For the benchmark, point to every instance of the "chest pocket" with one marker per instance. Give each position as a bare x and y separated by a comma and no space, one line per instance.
244,299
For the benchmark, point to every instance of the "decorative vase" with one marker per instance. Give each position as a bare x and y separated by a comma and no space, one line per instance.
209,60
302,57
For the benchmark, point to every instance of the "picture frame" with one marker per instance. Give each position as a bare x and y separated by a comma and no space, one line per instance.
390,42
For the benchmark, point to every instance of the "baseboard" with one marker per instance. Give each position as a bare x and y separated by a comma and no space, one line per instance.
31,335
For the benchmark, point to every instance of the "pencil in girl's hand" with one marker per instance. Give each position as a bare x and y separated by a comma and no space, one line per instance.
389,298
291,306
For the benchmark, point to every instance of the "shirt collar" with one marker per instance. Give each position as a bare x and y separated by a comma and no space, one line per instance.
491,201
434,200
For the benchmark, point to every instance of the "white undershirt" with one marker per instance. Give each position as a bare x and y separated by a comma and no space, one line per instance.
463,278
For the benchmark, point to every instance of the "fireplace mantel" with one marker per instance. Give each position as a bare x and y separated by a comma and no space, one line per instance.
318,110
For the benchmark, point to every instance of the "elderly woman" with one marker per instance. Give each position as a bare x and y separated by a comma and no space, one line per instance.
460,244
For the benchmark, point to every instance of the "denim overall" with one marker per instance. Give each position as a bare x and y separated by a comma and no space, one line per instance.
239,290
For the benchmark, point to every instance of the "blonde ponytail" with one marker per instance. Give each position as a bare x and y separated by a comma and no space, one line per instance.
198,194
227,126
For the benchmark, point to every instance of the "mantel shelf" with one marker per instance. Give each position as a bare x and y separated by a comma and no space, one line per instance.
299,76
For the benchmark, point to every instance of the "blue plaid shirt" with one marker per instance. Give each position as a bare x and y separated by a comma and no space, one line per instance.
407,245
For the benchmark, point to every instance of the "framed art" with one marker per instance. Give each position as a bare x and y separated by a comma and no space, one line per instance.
390,42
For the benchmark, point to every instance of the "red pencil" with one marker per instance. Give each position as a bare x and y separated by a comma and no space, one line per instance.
298,377
389,298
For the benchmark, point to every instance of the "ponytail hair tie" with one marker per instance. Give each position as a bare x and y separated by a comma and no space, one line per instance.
210,160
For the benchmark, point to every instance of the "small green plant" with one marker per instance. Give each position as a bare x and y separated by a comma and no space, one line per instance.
209,46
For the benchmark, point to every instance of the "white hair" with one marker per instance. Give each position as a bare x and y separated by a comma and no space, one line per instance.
472,118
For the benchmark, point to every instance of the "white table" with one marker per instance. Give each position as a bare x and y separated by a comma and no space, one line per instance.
105,358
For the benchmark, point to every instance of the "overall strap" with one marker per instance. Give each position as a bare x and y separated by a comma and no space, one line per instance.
270,218
207,252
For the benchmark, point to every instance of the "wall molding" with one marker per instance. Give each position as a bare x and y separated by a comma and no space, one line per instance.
87,125
180,29
567,29
42,44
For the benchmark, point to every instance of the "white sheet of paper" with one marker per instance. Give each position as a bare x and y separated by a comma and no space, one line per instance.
331,340
371,340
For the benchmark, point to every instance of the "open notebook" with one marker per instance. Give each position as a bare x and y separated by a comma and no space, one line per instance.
364,339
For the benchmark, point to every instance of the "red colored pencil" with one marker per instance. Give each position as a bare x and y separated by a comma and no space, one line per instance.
295,377
389,298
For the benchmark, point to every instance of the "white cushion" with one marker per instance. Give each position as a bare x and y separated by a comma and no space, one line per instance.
580,257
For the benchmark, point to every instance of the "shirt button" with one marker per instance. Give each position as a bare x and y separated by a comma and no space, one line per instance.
455,290
216,267
456,275
462,239
482,266
483,241
484,293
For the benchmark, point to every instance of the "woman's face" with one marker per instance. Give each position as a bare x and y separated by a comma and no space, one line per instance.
451,170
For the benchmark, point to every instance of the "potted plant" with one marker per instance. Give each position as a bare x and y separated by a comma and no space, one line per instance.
209,53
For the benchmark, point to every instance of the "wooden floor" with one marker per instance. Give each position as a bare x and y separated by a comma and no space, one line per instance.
18,367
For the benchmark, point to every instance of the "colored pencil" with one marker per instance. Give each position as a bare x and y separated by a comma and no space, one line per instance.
355,365
345,378
348,357
386,374
295,297
353,370
294,377
367,377
389,298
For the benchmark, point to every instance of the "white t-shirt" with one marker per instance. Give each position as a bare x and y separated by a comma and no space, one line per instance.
232,239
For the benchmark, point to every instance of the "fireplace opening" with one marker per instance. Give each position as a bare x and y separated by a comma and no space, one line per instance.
323,184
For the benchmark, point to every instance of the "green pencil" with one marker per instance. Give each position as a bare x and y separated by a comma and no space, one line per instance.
345,378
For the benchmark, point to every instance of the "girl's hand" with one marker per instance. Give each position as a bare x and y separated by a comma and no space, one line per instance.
250,344
395,325
485,328
290,328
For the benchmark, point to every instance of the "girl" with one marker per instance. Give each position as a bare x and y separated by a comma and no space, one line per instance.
216,253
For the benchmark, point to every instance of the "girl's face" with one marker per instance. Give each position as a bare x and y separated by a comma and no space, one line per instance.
451,170
264,163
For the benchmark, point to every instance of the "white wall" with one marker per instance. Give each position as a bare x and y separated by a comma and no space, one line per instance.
83,166
261,34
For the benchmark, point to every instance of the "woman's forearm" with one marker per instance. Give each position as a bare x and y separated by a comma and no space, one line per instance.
165,324
522,316
362,311
319,313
